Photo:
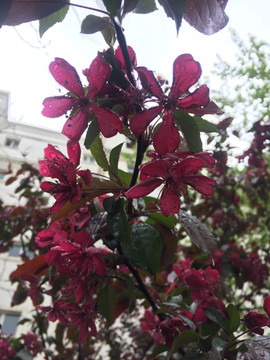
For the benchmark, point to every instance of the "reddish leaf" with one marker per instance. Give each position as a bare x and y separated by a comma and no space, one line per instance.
4,9
36,266
29,10
206,16
10,180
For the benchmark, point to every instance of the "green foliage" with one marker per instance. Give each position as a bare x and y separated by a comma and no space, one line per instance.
50,20
99,154
190,130
175,10
92,24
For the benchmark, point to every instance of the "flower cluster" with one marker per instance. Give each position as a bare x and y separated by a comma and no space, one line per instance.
58,166
175,172
255,320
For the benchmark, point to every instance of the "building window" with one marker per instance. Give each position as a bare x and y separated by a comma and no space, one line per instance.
13,143
88,158
9,323
2,175
15,251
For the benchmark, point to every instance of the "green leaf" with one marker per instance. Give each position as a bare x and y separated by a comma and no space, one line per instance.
49,21
146,248
174,301
114,157
92,24
131,292
175,10
99,155
234,317
113,7
117,221
129,5
145,7
125,177
209,329
109,32
168,221
158,350
106,303
219,344
215,316
190,130
92,132
184,338
204,125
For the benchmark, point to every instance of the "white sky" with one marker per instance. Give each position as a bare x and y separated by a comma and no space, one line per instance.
24,69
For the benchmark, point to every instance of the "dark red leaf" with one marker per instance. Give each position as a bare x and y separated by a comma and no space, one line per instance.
36,266
266,305
4,9
206,16
29,10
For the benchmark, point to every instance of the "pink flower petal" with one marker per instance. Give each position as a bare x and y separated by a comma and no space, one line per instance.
199,97
170,201
52,153
187,166
109,122
140,121
67,76
74,152
149,82
120,58
201,183
167,138
85,175
143,188
76,125
186,72
266,305
97,75
156,168
57,106
211,108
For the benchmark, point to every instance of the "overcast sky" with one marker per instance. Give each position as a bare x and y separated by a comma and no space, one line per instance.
25,58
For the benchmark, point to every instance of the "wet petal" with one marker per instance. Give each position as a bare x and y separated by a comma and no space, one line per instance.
120,58
67,76
149,82
75,126
143,188
169,202
199,97
186,72
74,152
86,176
211,108
97,75
167,138
189,165
201,183
140,121
57,106
109,122
156,168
